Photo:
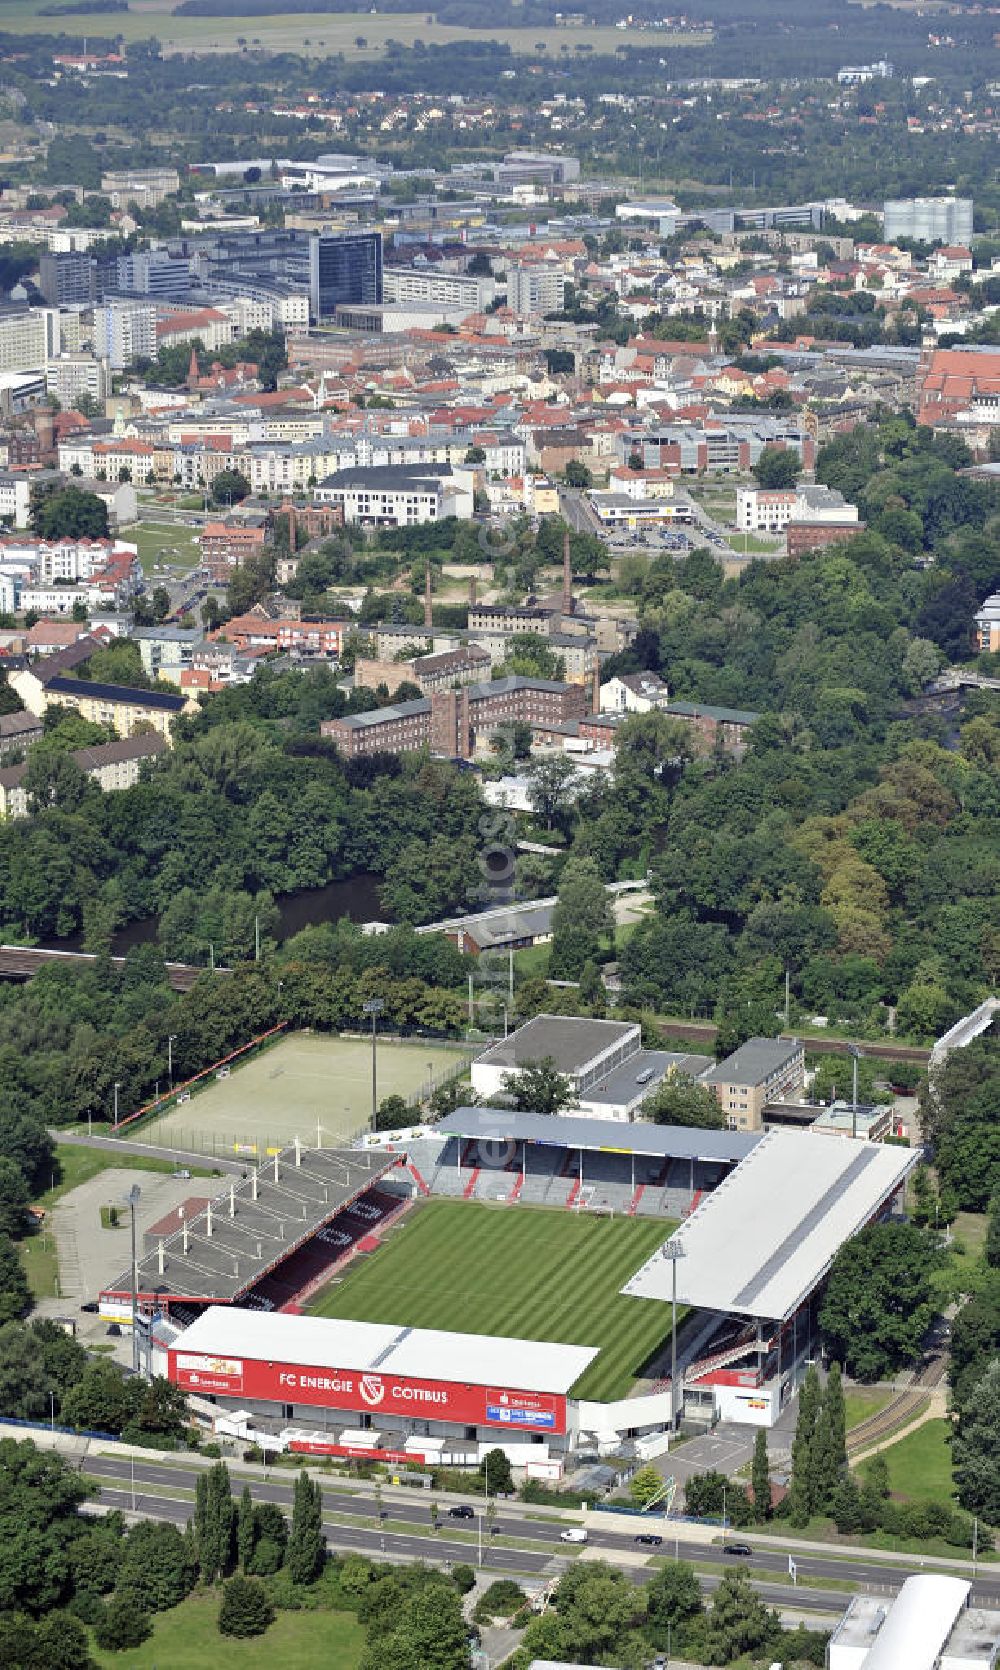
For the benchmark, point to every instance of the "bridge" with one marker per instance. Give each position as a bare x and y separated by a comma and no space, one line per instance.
956,678
21,962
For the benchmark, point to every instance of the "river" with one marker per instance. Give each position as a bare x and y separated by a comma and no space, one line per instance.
356,899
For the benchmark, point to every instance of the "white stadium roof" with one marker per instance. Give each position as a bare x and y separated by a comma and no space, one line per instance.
760,1243
419,1353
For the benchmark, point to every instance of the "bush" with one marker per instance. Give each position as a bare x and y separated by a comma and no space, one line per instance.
501,1600
123,1624
464,1578
246,1608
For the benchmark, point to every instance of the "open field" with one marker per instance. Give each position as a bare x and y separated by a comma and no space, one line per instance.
297,1085
861,1405
319,34
187,1638
920,1464
527,1273
161,542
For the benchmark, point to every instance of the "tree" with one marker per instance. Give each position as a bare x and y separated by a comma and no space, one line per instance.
800,1490
306,1544
13,1198
828,1451
760,1476
549,788
577,474
15,1294
246,1608
976,1447
213,1522
582,918
245,1529
155,1567
539,1087
680,1100
122,1624
991,1251
736,1623
878,1304
230,487
645,1486
777,468
430,1633
69,513
673,1598
495,1471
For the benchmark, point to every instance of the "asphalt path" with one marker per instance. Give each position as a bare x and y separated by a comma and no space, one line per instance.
765,1565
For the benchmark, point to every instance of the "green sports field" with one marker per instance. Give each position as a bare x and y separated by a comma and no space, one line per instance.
528,1273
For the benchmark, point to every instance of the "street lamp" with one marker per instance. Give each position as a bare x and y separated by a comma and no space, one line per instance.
374,1007
673,1251
134,1195
855,1054
171,1041
117,1088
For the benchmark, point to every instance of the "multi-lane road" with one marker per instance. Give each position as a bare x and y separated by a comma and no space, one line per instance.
166,1491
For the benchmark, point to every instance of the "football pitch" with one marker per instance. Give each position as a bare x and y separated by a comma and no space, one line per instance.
527,1272
312,1086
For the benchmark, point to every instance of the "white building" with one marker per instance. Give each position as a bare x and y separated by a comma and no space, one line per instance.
468,291
930,1625
125,332
143,188
633,693
28,338
15,499
391,496
946,220
72,375
769,510
585,1051
535,289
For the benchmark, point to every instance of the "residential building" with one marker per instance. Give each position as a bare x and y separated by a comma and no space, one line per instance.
295,637
166,650
952,382
18,731
535,289
633,693
140,188
946,220
105,704
124,332
226,545
987,626
28,337
69,279
15,499
762,1070
154,273
73,375
111,765
396,496
468,291
204,324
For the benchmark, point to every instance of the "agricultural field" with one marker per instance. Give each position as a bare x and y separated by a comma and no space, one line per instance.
527,1273
317,33
304,1086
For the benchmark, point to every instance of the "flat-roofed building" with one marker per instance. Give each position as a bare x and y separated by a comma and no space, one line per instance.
585,1051
762,1070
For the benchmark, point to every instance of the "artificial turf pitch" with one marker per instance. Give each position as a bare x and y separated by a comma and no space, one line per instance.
523,1273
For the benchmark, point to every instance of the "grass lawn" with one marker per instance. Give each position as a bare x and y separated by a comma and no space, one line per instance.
534,959
162,542
187,1638
920,1464
860,1405
529,1273
970,1229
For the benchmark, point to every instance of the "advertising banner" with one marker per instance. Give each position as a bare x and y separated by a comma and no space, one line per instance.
385,1394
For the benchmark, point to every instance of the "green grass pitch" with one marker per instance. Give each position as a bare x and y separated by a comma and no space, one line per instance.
528,1273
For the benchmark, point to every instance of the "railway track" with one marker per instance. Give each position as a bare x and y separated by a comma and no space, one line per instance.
704,1032
900,1410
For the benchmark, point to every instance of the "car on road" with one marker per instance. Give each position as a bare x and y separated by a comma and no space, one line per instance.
742,1550
463,1511
576,1534
649,1539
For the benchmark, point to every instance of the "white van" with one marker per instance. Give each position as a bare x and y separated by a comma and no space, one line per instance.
577,1534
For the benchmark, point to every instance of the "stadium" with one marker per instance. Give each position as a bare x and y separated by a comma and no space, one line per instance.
503,1278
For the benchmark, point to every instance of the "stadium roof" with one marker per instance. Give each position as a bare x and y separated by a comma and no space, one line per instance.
913,1631
609,1136
761,1242
255,1224
421,1353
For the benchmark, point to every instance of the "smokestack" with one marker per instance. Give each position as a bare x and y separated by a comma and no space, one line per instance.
428,613
596,686
567,596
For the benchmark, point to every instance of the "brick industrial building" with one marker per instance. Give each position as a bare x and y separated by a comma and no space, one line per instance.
450,721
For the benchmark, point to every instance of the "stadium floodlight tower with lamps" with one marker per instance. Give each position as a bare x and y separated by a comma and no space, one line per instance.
674,1252
374,1007
855,1054
133,1198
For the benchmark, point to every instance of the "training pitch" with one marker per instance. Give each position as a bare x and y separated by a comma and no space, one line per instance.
288,1090
526,1272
